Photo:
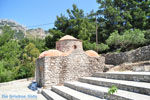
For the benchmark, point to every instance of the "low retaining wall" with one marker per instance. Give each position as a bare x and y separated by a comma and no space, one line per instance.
140,54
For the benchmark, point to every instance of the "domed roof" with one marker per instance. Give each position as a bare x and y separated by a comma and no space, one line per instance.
68,37
92,53
50,53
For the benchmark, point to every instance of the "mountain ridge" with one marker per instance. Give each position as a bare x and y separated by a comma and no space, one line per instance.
21,29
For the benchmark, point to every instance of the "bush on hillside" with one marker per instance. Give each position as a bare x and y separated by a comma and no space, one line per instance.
130,39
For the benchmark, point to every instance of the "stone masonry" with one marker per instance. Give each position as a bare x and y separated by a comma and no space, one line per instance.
140,54
70,64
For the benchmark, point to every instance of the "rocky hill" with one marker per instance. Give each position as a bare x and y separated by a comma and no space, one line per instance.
36,33
22,31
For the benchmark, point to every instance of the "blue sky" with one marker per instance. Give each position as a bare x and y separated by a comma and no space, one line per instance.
35,12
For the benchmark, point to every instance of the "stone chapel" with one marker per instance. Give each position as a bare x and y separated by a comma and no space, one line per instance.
67,63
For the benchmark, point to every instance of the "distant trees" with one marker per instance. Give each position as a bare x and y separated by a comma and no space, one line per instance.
17,57
8,34
19,35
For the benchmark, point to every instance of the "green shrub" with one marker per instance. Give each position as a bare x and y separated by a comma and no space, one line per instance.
114,39
147,36
130,39
5,75
133,37
103,47
112,90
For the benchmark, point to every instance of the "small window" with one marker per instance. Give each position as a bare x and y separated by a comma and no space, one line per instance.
75,47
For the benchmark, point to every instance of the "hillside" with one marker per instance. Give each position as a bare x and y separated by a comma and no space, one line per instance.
22,31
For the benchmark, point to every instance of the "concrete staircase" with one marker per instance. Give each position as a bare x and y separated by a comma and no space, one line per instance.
131,86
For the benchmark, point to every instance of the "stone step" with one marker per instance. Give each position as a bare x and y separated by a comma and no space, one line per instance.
130,76
50,95
71,94
102,92
132,86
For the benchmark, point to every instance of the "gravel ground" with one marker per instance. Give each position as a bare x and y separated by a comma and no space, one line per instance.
18,90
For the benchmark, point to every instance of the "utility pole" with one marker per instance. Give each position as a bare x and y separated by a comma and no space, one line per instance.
96,32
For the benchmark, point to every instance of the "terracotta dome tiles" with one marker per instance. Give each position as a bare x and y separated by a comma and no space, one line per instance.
92,53
50,53
68,37
54,53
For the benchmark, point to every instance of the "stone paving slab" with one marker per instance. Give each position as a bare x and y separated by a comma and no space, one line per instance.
71,94
130,72
138,87
18,90
99,91
50,95
131,76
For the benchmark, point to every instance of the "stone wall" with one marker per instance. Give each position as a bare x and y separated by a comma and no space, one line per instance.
58,69
40,71
140,54
68,45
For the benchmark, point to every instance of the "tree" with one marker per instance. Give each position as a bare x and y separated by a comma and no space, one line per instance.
10,53
130,39
77,25
147,36
9,60
27,68
17,57
54,36
114,40
39,44
19,35
121,15
7,34
31,51
23,42
5,75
